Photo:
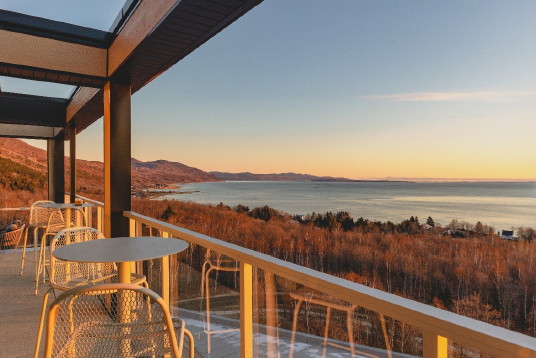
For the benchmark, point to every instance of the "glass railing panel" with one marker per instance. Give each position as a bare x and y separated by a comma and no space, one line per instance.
205,293
281,330
292,320
460,351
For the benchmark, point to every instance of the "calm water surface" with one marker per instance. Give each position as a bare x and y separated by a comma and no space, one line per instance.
503,205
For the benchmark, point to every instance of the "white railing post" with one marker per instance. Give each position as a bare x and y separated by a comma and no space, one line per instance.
246,310
434,346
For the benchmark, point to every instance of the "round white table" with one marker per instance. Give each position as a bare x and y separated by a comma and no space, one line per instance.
121,250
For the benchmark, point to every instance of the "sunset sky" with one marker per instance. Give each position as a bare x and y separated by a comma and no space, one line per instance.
360,89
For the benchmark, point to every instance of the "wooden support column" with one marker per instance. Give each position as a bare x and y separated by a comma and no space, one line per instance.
117,153
72,155
56,169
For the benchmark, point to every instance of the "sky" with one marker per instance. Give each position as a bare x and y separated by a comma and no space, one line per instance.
355,88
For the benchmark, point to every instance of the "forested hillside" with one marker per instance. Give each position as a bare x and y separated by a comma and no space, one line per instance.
15,176
481,277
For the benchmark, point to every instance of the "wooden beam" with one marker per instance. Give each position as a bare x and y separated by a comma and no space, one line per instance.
35,52
28,131
79,100
117,157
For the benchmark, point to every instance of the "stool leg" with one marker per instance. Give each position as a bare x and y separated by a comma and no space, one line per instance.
36,253
44,258
294,327
24,250
350,325
38,269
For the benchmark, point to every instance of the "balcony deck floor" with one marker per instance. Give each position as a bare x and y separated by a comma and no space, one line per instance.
20,309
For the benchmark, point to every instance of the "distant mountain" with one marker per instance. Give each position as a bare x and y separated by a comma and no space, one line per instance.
166,172
247,176
90,173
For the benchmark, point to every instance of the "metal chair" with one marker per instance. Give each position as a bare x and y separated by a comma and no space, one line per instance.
11,239
65,275
58,220
113,320
214,262
38,220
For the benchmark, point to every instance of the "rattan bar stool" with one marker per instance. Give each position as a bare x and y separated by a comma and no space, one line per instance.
38,220
58,220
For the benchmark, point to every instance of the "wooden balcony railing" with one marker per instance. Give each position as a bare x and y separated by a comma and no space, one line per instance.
438,327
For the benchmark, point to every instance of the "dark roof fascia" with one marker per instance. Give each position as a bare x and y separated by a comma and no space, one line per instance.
29,97
38,26
73,93
124,15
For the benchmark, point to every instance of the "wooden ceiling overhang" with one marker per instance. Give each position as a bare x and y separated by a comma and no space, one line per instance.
149,38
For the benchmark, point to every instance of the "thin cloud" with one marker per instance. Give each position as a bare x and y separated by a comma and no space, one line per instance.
491,96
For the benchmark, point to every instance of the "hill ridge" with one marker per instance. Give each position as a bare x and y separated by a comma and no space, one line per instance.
90,173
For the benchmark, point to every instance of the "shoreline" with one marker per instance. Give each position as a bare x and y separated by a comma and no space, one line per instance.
461,206
157,191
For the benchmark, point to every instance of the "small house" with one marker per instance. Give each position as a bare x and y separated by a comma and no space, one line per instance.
507,235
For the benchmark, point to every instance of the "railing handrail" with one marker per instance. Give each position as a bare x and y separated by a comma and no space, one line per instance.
22,208
90,201
460,329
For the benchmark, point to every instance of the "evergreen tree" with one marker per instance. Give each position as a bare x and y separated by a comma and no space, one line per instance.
430,221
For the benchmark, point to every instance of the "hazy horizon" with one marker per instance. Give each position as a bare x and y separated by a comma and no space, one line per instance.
36,143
